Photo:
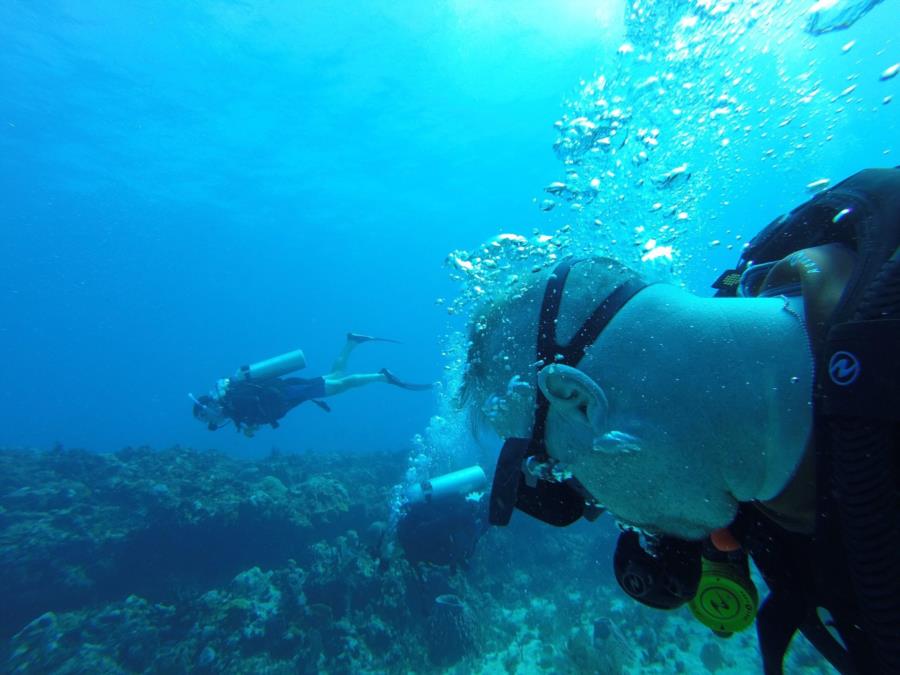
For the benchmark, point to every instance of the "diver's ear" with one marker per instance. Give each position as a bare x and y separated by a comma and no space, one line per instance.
577,396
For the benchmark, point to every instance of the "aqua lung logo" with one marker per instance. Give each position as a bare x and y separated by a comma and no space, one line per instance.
720,603
843,368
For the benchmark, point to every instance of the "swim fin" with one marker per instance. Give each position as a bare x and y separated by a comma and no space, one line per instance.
397,382
359,339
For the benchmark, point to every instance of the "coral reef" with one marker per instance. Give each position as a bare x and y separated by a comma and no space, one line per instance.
450,631
78,527
711,656
181,561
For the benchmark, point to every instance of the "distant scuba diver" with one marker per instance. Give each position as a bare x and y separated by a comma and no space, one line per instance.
257,394
763,423
443,518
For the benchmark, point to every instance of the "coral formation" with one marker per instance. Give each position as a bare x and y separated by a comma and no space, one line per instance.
450,630
711,656
183,561
81,527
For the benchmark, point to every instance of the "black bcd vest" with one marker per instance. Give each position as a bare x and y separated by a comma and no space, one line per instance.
845,578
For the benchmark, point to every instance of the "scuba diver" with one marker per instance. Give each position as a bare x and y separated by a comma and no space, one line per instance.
257,394
761,423
443,518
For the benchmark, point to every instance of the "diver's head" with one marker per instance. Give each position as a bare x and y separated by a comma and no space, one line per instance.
209,411
501,380
539,364
593,401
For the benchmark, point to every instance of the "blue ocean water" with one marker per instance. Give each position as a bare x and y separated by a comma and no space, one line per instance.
189,186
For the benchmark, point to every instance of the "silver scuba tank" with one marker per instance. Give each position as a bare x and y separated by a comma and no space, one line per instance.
460,482
269,368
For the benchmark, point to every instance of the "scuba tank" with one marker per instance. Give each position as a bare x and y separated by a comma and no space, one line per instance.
269,368
460,483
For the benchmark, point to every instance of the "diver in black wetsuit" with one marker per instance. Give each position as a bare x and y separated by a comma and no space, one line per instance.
442,533
443,518
249,402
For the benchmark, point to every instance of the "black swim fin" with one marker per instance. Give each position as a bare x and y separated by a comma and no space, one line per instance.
397,382
359,339
324,406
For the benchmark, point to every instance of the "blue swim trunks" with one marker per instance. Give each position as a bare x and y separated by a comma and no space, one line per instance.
300,389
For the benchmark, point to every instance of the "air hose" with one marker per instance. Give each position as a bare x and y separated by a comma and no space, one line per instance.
865,462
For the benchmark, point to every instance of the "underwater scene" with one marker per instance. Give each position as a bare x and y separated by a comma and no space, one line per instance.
441,337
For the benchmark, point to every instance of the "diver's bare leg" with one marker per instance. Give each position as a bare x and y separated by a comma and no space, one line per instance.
353,341
338,385
340,363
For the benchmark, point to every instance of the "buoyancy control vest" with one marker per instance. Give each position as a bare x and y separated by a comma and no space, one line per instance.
251,403
845,578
